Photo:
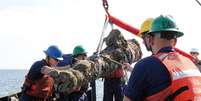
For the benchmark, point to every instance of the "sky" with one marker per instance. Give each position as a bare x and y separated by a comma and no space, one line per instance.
27,27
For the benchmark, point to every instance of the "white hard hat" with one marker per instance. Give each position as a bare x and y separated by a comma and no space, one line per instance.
194,50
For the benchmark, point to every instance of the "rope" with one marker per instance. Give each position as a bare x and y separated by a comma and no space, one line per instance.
114,61
122,66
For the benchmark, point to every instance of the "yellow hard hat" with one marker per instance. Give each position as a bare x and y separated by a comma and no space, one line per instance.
145,27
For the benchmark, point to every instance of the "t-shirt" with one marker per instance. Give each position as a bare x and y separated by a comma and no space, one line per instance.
67,60
148,77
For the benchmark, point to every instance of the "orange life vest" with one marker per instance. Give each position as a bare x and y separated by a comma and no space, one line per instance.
185,79
117,73
41,88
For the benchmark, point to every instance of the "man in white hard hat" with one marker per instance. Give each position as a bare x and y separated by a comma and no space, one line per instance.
195,53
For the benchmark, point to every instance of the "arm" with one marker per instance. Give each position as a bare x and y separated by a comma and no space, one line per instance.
126,98
136,84
128,67
63,67
46,70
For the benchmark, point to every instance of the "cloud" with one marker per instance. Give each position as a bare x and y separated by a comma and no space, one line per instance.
29,26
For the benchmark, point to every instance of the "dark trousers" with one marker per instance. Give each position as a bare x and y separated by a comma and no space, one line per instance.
75,96
113,88
25,97
89,95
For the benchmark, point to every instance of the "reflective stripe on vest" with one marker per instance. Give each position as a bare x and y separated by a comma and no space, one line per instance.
185,79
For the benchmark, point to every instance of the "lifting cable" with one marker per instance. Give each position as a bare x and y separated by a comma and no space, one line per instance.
114,20
198,2
101,41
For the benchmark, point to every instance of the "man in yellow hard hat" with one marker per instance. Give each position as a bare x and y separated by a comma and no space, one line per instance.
166,75
145,28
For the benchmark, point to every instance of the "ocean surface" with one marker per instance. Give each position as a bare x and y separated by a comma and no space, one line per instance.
12,80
